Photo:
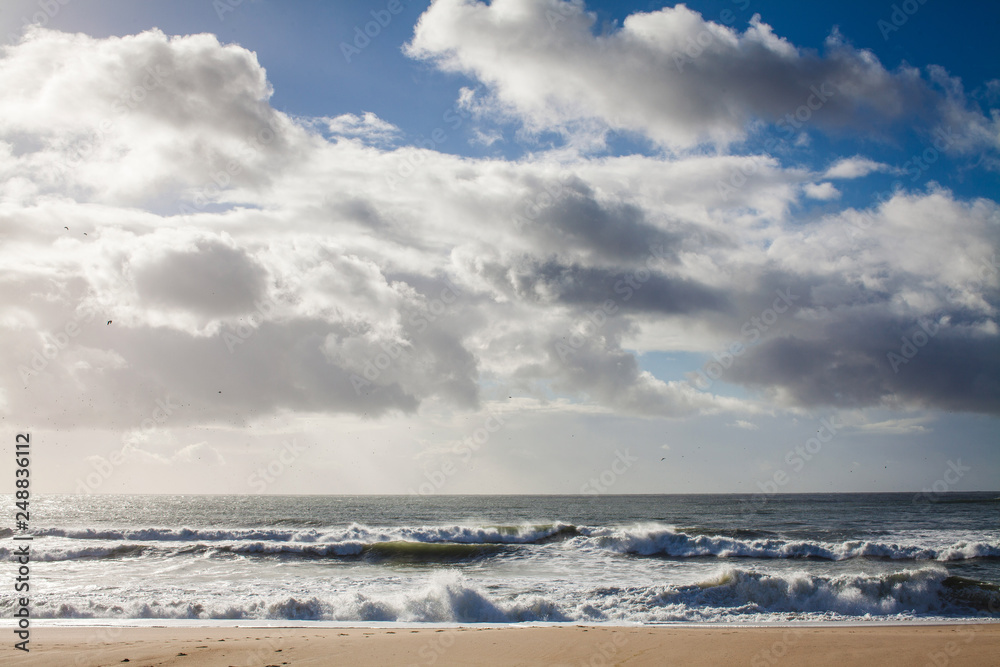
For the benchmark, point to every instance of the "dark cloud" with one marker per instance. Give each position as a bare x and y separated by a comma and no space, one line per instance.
212,279
635,289
862,361
611,232
352,267
226,379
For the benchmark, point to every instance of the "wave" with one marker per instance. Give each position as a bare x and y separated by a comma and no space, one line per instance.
96,552
445,543
93,553
515,534
664,541
392,552
740,533
447,598
379,552
423,552
732,594
926,591
966,501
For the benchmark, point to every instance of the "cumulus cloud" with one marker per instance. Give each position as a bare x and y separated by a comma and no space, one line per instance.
854,167
239,264
122,120
210,278
367,126
673,76
824,191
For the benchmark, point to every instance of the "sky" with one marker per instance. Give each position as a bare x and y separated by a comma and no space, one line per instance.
526,246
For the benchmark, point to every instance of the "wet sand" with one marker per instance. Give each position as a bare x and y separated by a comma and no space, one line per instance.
940,646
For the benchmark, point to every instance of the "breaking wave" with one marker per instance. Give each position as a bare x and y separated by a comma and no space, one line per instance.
658,540
732,594
450,543
523,534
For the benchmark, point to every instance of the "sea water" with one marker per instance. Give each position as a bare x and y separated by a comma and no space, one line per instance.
512,559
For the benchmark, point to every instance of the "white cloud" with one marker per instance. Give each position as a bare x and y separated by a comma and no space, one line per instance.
669,74
300,274
823,191
854,167
367,126
903,426
124,119
201,453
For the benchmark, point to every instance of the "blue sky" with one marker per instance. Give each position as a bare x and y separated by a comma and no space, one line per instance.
531,160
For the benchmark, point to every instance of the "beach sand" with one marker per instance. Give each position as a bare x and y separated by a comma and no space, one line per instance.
937,645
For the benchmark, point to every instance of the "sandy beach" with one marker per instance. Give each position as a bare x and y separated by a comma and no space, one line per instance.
939,645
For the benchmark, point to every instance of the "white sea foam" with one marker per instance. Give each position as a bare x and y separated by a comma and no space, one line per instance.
730,594
521,534
289,560
356,539
659,540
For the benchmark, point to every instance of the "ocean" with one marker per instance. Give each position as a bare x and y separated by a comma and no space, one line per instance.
591,559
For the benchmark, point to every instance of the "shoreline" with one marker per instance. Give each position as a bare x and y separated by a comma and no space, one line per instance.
83,646
407,625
